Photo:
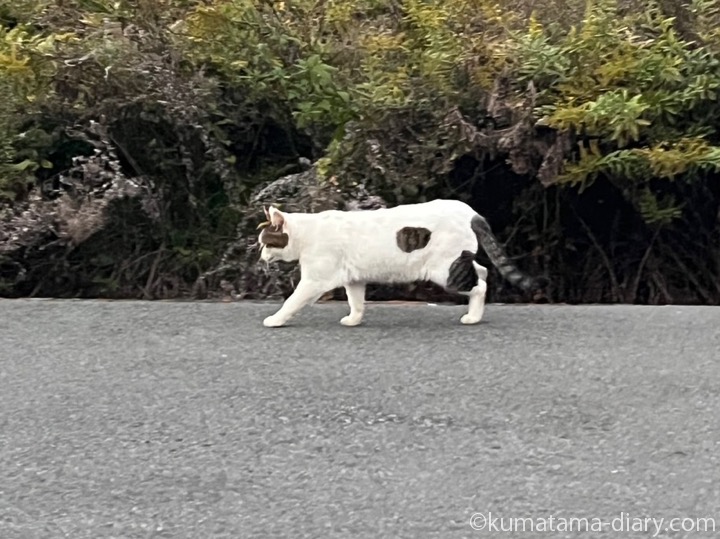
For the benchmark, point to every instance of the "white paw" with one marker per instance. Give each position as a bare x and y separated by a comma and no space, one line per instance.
467,319
350,320
273,322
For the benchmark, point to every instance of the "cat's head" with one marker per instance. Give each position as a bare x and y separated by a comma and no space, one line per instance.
276,241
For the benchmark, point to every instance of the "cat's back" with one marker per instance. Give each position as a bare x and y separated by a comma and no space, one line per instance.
433,213
374,234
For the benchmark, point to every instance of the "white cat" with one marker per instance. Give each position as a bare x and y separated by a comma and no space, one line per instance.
432,241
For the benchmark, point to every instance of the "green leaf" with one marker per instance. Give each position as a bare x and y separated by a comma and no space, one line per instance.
24,165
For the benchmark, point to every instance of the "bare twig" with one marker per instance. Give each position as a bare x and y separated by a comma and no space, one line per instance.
636,281
153,270
615,291
690,276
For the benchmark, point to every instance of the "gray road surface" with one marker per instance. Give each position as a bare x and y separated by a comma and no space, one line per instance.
191,420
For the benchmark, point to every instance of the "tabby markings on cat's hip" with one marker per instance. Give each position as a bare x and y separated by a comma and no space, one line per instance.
462,276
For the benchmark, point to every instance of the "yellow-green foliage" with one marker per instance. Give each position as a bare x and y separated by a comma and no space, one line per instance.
450,37
642,101
26,60
707,21
25,71
621,78
332,62
664,161
274,51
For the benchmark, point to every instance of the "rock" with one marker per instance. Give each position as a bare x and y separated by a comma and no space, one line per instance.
248,278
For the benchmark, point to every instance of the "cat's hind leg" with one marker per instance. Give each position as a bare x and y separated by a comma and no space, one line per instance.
467,277
356,299
476,295
305,293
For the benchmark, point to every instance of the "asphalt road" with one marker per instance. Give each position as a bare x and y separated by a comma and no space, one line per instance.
192,420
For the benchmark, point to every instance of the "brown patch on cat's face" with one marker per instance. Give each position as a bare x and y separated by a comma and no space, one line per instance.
411,238
273,242
273,237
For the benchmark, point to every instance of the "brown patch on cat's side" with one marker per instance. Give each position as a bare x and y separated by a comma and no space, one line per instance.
411,238
273,237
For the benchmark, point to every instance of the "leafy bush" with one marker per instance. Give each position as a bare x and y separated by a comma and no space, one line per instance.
641,102
586,129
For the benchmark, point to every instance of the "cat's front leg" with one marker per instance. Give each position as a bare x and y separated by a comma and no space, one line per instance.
356,299
305,293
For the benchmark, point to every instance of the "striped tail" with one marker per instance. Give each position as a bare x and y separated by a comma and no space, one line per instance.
497,255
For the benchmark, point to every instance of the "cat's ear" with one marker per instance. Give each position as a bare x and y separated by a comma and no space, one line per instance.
266,213
277,218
